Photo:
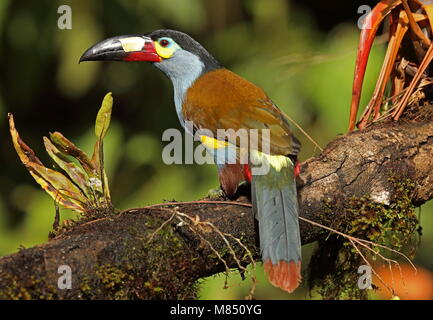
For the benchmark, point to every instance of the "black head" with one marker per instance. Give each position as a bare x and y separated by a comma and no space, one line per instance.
187,43
175,53
154,47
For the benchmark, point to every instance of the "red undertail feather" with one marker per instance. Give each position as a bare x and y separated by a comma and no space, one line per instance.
247,173
285,275
297,169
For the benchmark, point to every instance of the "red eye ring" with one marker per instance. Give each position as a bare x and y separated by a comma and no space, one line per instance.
164,43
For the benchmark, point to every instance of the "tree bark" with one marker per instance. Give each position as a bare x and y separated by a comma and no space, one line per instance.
160,253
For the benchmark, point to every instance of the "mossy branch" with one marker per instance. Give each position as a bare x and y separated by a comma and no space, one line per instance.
382,171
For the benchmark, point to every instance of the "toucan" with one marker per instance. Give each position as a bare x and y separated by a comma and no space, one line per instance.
213,98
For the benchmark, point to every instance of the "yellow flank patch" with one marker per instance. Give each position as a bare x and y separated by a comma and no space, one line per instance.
164,52
132,44
275,161
213,143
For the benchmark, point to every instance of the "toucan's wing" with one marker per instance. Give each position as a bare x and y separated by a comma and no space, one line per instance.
221,99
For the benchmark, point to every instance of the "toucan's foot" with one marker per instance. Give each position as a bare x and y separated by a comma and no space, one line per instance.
216,193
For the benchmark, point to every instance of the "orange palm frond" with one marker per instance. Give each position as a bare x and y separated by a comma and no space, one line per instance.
409,19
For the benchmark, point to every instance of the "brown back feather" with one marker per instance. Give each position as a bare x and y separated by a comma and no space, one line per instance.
220,99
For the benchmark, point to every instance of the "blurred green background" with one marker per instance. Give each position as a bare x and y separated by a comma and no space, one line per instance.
301,53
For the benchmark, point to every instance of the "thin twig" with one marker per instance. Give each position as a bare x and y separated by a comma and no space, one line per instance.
372,269
161,227
224,236
358,240
305,133
353,240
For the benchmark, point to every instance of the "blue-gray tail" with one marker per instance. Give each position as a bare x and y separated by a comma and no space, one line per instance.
275,206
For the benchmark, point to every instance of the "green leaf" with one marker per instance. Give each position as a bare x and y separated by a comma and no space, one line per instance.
104,117
67,147
76,173
101,127
59,187
24,152
82,188
58,197
92,168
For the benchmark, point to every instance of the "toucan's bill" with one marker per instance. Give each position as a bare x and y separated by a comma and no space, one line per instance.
123,48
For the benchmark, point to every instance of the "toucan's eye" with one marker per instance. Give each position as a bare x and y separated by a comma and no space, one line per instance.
164,43
166,47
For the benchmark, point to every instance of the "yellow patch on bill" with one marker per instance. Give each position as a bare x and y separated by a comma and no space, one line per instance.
132,44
